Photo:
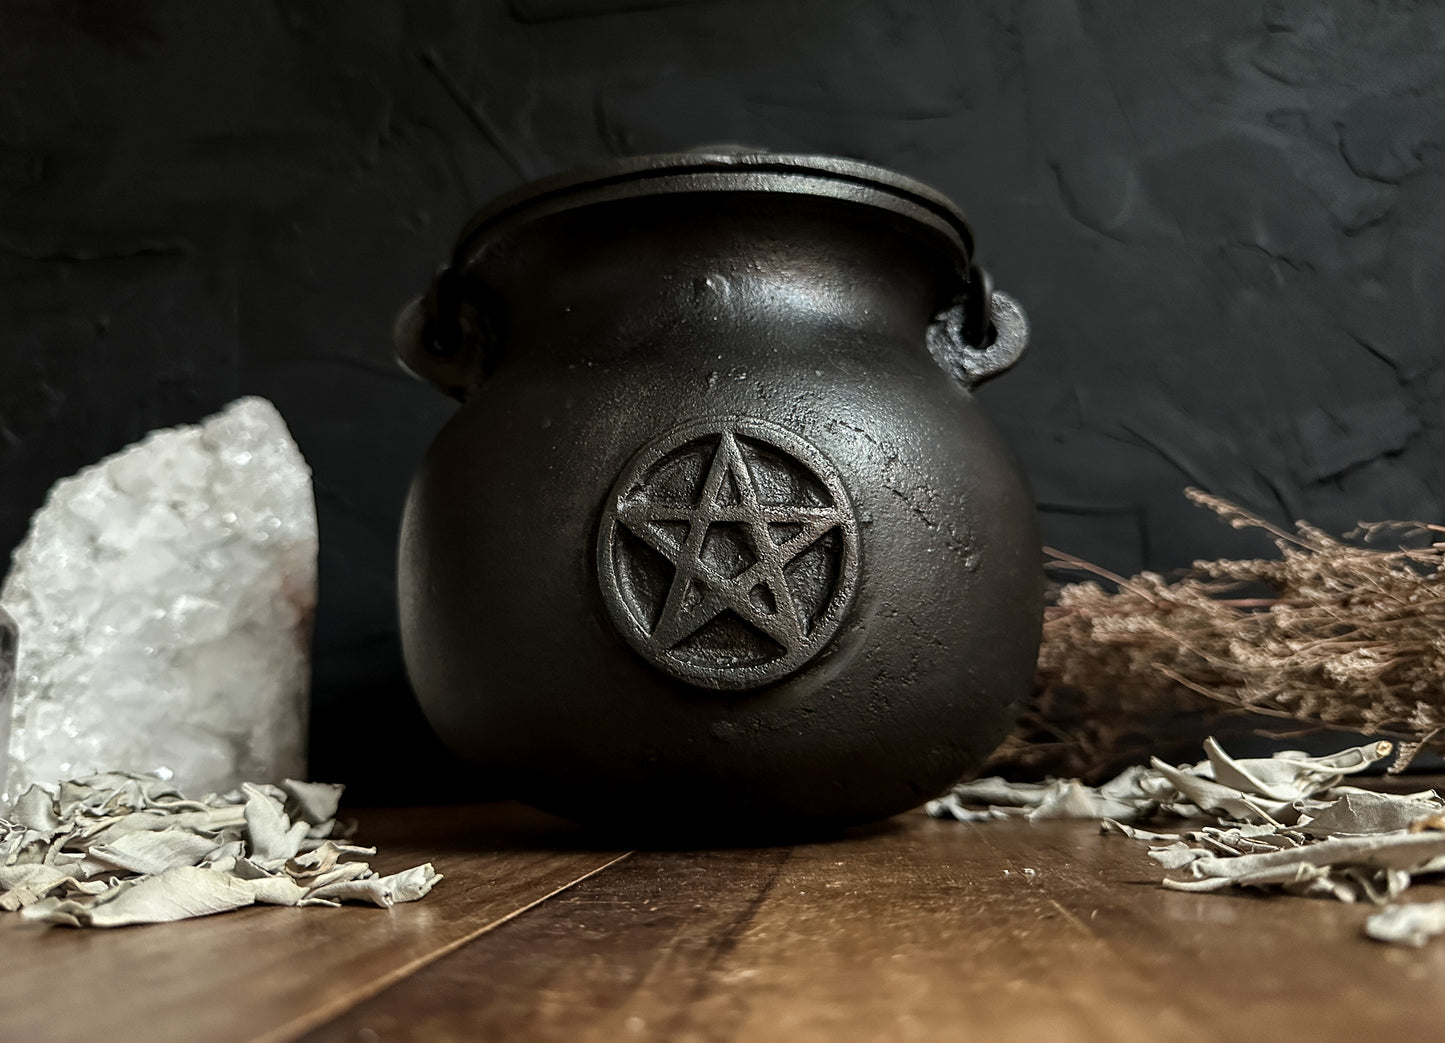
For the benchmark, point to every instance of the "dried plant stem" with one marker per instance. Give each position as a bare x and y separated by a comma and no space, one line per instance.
1350,638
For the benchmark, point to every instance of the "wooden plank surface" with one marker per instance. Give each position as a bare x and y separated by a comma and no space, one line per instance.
270,973
918,930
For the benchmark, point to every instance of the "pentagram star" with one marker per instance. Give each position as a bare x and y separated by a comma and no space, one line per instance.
759,594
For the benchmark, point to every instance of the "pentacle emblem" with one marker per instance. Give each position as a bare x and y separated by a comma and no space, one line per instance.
728,552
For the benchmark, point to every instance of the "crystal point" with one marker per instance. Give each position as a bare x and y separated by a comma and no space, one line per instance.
165,596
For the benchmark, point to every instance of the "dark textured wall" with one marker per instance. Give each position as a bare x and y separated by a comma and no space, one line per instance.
1225,219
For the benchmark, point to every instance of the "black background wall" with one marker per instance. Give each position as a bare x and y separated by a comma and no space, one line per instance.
1226,220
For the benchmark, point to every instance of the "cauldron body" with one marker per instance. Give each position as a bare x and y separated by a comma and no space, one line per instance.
663,366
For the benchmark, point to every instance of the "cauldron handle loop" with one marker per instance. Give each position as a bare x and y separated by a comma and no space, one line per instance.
438,338
981,335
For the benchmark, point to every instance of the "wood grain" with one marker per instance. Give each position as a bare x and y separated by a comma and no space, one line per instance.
269,973
918,931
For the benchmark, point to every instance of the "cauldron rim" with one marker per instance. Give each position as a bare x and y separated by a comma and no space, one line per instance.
719,169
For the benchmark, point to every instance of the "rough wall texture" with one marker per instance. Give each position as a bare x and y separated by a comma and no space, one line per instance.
1225,220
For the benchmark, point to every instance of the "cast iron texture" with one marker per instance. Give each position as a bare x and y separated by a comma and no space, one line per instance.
718,531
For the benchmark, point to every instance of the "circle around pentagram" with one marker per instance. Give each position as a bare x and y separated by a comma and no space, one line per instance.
727,552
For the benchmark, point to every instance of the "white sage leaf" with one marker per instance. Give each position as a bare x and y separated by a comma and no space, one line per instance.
1290,775
176,894
35,810
384,891
273,837
1412,924
1360,812
313,802
24,885
1220,799
275,890
336,874
154,852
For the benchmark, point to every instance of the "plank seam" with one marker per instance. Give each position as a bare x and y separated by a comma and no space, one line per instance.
335,1008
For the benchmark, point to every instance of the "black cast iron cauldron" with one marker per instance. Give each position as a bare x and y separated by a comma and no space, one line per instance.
718,540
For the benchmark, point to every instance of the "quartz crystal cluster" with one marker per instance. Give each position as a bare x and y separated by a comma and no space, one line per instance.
8,640
164,600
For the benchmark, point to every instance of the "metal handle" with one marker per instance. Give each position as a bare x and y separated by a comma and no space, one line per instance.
981,335
439,338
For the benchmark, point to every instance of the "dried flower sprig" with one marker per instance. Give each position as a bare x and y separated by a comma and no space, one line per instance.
1342,634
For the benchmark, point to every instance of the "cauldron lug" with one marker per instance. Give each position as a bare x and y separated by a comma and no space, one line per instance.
438,338
981,335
